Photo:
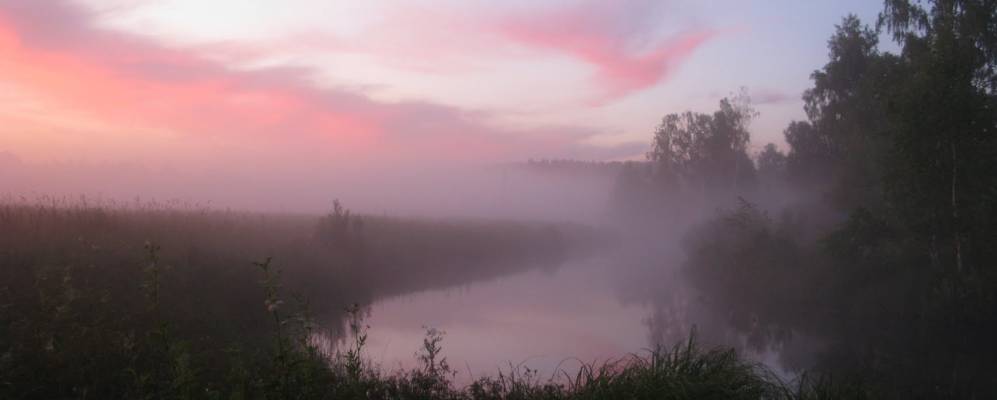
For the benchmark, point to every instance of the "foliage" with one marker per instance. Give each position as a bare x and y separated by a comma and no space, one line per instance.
897,281
771,162
705,152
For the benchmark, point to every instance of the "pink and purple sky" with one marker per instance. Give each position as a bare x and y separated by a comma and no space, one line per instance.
323,85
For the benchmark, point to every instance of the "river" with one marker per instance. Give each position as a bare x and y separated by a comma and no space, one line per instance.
543,319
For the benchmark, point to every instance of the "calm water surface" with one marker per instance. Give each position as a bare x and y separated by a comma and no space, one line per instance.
539,319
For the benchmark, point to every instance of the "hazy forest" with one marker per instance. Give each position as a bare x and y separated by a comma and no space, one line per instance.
850,263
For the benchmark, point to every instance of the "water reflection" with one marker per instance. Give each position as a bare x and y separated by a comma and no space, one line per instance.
538,319
552,319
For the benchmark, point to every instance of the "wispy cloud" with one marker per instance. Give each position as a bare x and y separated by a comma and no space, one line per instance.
54,50
605,35
627,43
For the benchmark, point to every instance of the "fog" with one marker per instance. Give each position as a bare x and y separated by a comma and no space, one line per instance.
495,190
613,272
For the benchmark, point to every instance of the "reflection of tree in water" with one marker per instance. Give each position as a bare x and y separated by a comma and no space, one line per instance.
676,311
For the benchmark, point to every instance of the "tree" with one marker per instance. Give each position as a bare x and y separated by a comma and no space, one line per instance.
771,162
942,172
904,148
837,147
706,152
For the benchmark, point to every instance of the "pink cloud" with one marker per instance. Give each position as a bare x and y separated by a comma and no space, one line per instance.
52,49
617,38
604,35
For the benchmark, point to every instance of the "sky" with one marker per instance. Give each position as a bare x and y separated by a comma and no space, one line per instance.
278,90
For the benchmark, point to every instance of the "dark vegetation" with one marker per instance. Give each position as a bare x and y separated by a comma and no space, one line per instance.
872,238
142,301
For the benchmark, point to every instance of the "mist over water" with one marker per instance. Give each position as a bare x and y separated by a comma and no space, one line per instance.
601,302
545,319
622,294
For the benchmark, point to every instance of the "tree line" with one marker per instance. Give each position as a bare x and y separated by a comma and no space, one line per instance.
873,233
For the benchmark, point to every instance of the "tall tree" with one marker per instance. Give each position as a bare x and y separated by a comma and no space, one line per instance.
941,175
837,147
905,146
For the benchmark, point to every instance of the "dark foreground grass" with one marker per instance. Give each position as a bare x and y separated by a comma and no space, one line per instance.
686,371
161,303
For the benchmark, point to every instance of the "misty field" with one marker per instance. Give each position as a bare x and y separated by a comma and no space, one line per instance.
173,301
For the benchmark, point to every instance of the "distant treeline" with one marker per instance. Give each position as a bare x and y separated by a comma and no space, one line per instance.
567,166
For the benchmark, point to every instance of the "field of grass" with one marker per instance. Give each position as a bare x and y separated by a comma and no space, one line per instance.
174,301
